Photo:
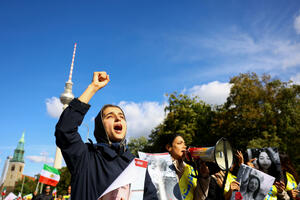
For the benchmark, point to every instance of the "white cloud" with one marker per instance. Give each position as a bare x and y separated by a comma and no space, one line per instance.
297,24
43,158
296,79
145,116
237,43
142,117
54,107
263,53
211,93
237,51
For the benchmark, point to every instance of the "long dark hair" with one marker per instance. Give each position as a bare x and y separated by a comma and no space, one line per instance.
167,139
287,166
272,170
257,190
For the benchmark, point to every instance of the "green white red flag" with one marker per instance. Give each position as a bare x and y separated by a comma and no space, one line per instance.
49,175
19,196
54,192
3,191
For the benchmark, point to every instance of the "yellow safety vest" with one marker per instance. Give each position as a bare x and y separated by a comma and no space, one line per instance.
188,183
230,178
272,195
291,182
66,197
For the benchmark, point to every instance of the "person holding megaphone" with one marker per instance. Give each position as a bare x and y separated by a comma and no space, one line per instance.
193,184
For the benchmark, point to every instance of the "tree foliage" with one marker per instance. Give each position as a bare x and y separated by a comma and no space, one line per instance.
137,144
64,182
28,187
260,112
187,116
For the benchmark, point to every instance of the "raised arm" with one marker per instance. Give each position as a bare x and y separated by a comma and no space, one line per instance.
100,79
66,132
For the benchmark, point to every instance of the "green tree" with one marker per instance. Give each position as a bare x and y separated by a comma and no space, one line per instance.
64,182
261,112
28,186
187,116
137,144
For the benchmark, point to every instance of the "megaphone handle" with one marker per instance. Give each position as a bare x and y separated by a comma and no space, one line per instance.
226,165
225,152
225,179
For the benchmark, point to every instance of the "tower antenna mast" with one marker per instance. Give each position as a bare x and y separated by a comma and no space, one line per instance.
72,64
65,98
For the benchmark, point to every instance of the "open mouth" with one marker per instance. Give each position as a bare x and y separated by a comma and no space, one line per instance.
118,128
265,166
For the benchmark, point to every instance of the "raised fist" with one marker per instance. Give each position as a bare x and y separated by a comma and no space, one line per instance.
100,79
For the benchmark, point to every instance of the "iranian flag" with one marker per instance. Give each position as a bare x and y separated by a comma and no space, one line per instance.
19,196
49,175
3,191
54,192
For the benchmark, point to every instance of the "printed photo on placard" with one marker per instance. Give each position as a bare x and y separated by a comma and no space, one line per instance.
129,185
254,184
298,188
122,192
163,175
267,161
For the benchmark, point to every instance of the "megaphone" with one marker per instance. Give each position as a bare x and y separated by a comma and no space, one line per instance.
220,154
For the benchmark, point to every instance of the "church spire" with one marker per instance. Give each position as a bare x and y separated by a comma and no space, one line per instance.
19,151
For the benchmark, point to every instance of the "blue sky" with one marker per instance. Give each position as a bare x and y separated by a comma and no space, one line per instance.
149,48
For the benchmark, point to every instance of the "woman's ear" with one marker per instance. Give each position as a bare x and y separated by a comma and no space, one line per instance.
168,148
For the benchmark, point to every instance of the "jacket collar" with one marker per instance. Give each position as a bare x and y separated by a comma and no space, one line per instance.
114,151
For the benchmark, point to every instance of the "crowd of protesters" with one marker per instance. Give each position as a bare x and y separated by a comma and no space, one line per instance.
213,186
48,195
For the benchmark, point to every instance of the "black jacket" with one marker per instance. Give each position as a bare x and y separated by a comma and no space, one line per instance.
44,197
93,168
214,191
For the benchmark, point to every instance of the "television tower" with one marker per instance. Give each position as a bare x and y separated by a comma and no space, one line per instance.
65,98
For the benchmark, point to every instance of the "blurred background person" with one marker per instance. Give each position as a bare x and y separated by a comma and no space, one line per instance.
290,175
46,195
68,196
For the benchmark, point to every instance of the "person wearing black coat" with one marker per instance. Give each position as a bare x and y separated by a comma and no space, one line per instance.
95,166
46,195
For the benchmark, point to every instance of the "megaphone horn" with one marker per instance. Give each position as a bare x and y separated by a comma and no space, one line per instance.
221,154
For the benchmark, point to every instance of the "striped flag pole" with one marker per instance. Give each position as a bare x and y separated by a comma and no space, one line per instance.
23,185
72,64
37,187
41,189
